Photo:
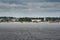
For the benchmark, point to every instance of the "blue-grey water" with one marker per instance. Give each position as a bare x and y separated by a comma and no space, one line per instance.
29,31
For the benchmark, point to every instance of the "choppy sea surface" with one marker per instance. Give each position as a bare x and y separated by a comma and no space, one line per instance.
29,31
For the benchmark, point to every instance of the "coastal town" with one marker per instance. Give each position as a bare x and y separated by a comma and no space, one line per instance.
30,19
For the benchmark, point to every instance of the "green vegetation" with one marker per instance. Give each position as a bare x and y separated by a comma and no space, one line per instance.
25,19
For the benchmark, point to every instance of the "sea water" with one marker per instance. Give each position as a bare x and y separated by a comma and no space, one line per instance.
29,31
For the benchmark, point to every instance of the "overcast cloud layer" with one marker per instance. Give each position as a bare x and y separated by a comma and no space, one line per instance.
25,7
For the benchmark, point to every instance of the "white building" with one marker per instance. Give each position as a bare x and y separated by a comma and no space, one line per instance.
44,19
13,20
36,20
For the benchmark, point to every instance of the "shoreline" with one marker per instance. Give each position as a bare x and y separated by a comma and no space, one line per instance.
30,22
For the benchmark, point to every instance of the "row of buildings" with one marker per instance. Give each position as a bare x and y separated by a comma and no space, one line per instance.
9,20
13,19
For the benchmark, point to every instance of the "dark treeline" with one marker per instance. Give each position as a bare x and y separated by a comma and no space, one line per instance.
29,19
54,19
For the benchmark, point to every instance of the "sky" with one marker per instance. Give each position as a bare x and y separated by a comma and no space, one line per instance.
30,8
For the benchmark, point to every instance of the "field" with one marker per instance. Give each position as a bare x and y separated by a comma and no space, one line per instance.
29,31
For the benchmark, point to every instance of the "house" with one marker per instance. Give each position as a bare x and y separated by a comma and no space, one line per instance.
0,20
17,19
13,20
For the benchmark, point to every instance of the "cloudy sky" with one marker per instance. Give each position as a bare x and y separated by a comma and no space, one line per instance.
30,8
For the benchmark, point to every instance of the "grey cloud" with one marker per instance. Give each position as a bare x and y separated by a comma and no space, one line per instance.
45,6
20,1
30,7
26,1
